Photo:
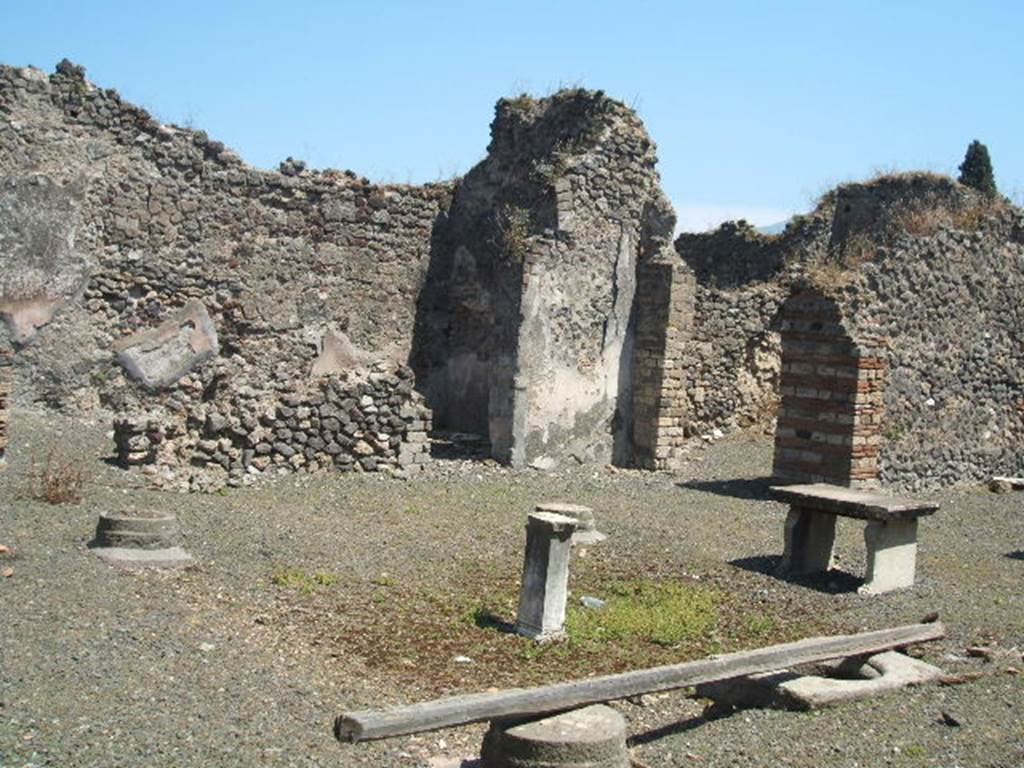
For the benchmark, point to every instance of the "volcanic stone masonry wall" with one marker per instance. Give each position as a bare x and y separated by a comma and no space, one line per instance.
374,424
111,222
922,282
512,304
538,300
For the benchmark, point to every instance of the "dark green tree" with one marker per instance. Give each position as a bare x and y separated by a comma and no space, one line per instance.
976,170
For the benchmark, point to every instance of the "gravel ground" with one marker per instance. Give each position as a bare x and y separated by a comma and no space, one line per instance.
218,666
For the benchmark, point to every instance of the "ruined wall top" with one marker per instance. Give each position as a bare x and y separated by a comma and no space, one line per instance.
915,259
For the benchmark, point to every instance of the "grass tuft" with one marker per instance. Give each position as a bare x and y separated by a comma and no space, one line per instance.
302,581
56,481
666,613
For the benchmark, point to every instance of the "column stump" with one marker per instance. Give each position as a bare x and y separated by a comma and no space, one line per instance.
594,737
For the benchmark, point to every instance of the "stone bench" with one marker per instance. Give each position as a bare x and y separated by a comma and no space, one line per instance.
890,535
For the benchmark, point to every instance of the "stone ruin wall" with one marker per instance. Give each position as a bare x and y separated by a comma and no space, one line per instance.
536,300
300,271
924,282
828,428
664,321
544,238
133,242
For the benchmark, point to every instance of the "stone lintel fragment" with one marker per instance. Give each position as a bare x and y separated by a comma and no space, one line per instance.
881,673
851,502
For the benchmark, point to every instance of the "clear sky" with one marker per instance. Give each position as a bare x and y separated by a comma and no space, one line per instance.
756,107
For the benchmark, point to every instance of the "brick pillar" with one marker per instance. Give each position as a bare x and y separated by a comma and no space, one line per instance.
664,326
831,387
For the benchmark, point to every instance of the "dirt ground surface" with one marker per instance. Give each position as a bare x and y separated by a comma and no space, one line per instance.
313,595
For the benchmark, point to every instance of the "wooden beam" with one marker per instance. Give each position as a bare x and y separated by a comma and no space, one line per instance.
528,702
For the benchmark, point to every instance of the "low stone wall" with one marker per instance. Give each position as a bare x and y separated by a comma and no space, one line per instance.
376,423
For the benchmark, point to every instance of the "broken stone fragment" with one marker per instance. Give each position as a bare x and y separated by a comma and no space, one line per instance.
159,357
337,355
881,673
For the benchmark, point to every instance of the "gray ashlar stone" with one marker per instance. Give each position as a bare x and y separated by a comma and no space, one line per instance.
809,541
879,674
892,555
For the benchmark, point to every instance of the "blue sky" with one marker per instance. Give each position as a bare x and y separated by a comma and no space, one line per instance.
756,108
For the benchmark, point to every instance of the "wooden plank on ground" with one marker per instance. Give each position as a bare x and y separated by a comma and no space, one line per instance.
527,702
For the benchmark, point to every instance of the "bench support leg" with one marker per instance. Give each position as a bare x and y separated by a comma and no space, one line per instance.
810,536
892,555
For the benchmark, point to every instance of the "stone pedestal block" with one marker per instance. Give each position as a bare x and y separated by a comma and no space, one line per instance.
545,576
810,537
592,737
892,555
139,539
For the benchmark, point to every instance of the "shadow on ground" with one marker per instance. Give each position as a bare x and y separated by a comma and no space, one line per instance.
833,582
671,729
1018,555
459,446
755,488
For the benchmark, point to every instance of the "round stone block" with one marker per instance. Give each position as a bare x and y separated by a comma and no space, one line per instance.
586,529
592,737
137,529
171,557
